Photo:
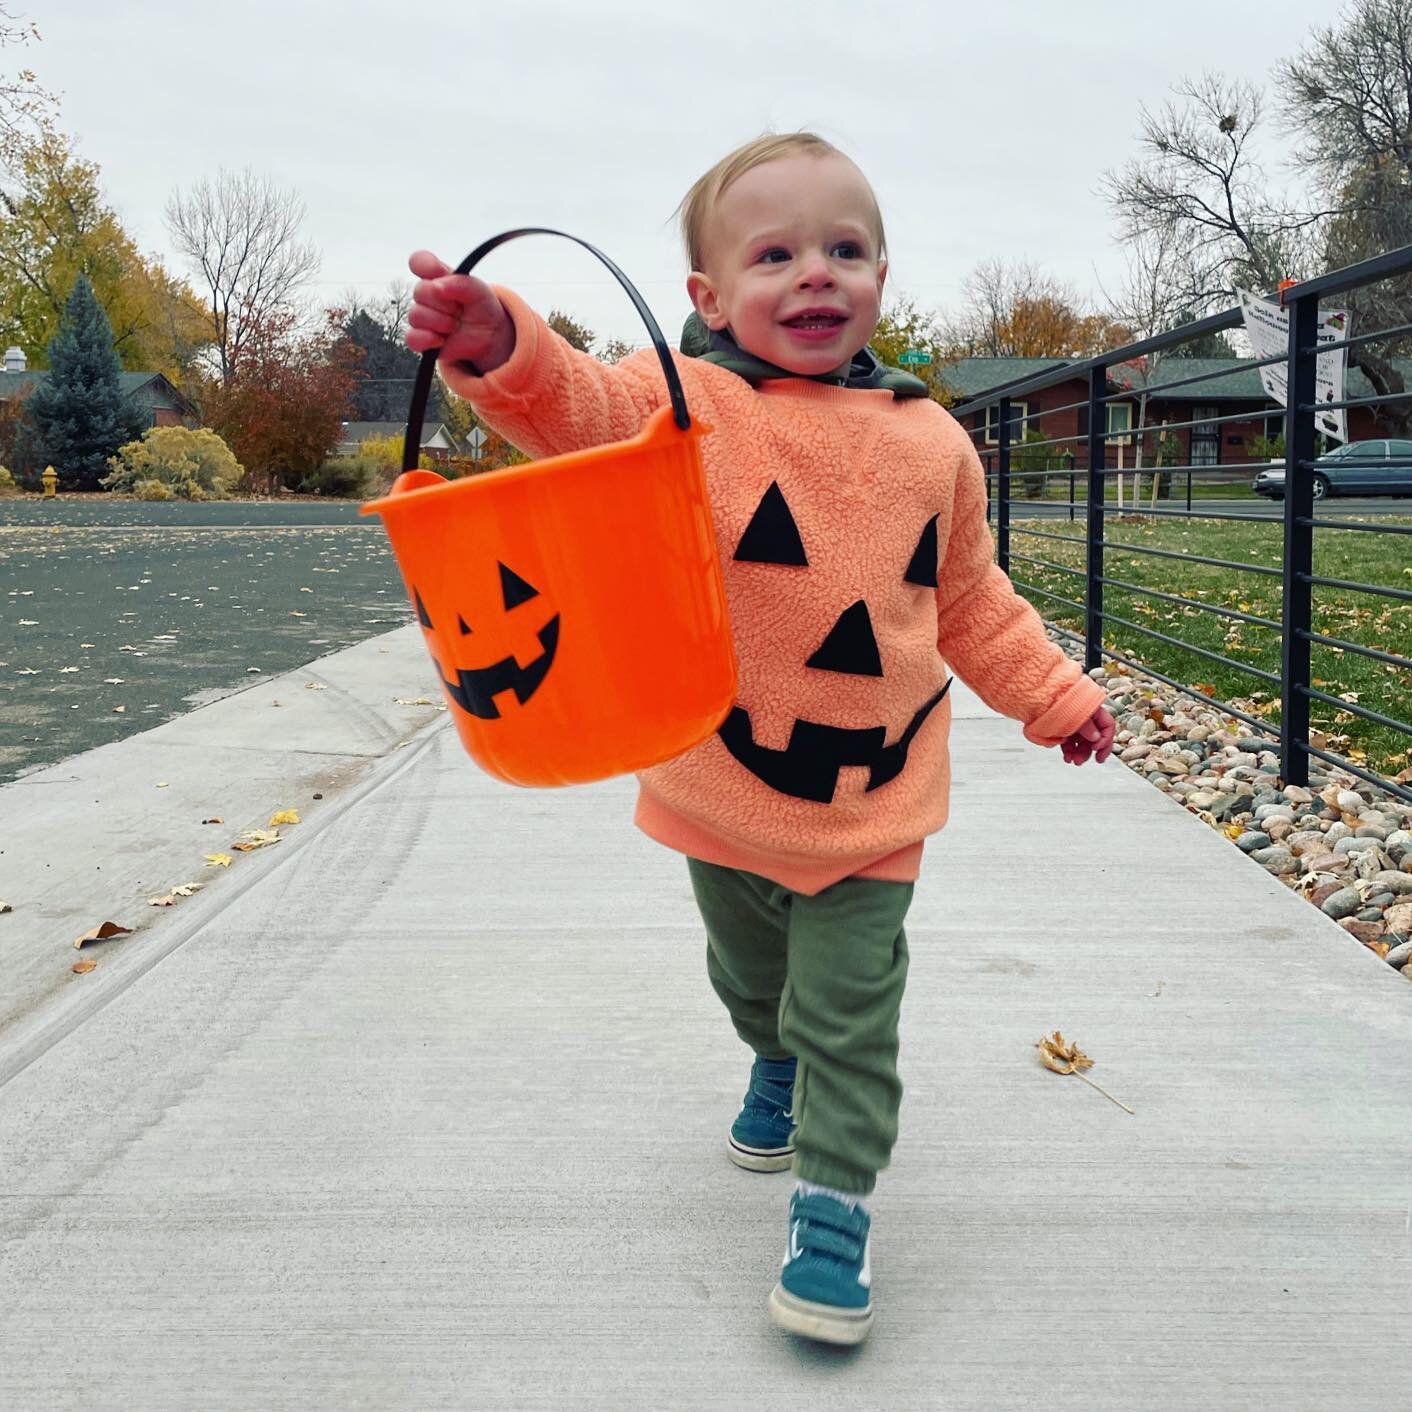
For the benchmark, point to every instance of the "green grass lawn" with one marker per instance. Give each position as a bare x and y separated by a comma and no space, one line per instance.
1204,486
1380,559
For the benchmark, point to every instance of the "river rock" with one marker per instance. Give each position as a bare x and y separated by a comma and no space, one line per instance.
1336,832
1252,839
1399,918
1354,845
1369,933
1400,883
1349,801
1400,954
1297,794
1343,903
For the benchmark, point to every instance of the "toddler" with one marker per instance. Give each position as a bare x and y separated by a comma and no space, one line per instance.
849,510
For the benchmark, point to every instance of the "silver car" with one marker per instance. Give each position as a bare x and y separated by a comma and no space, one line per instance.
1356,468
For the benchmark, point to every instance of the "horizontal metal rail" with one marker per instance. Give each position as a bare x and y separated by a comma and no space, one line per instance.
1399,791
1376,401
1377,654
1356,709
1393,332
1243,365
1111,508
1049,564
1224,706
1049,534
1398,593
1193,558
1356,525
1230,662
1216,608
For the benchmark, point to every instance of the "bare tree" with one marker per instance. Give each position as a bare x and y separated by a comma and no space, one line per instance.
1348,93
1201,196
241,235
25,107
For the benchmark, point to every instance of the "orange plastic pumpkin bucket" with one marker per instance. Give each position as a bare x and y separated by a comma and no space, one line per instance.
574,606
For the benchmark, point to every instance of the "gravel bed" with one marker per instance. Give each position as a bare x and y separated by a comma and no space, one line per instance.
1343,845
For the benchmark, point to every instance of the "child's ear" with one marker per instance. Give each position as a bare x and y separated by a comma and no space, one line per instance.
706,301
882,276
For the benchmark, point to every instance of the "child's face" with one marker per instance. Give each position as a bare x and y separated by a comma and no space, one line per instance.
792,265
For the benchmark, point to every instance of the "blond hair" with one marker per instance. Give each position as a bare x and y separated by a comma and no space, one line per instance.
709,189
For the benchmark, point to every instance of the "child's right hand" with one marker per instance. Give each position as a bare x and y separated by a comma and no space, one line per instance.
458,314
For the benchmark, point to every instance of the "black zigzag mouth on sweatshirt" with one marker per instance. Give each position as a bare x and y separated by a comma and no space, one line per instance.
808,767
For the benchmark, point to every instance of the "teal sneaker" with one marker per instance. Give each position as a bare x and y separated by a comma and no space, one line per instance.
760,1138
825,1288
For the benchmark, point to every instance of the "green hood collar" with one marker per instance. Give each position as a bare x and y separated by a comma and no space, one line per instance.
866,370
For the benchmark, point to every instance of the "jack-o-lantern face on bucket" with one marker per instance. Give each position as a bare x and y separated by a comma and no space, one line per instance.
808,767
474,689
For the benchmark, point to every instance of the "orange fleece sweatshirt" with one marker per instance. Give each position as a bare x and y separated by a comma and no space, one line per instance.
859,572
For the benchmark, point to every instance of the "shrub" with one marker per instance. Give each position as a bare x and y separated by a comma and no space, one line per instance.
7,483
195,465
152,490
345,477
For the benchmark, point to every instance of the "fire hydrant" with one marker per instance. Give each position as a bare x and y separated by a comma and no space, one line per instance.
51,482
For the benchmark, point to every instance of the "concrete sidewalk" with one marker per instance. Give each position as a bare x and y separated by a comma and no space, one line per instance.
426,1108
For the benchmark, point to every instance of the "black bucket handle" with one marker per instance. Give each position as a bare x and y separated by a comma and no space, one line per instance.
416,413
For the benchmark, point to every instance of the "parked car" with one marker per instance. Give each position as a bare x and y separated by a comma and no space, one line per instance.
1356,468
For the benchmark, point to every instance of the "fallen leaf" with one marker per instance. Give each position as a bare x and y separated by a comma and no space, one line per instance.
252,669
284,816
186,889
82,967
252,839
5,907
102,932
1205,688
314,686
218,860
167,901
1061,1056
412,701
1233,830
215,819
118,710
161,784
1065,1057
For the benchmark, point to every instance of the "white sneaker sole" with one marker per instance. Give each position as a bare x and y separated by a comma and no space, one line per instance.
825,1323
759,1159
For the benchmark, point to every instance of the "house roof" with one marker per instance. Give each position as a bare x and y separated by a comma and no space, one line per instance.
1223,379
17,384
353,433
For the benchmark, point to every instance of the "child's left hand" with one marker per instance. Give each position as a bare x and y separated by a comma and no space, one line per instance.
1094,737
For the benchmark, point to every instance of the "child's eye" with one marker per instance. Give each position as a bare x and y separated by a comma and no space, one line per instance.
774,256
848,250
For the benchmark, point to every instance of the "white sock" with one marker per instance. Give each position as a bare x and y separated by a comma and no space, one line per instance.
848,1198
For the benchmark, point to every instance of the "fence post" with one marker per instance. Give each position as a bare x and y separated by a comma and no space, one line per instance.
1002,494
1299,542
1097,484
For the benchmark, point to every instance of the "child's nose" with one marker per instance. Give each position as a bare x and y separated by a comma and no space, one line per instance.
815,272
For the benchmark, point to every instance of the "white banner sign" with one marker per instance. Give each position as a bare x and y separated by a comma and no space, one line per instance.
1268,326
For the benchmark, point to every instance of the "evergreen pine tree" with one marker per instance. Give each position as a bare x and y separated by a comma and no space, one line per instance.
77,416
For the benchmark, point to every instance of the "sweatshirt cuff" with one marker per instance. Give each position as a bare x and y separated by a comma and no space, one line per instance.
517,377
1067,714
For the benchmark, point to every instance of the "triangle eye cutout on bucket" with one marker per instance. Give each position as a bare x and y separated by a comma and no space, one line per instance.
463,625
850,645
514,589
772,537
423,617
922,569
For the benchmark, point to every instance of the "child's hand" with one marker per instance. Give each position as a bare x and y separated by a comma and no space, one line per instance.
1094,737
458,314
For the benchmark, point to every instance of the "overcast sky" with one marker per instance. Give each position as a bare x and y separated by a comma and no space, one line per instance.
985,128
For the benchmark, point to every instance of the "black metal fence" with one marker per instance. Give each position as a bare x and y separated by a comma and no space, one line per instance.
1296,557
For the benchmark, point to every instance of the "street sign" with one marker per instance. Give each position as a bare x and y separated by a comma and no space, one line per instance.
914,355
475,441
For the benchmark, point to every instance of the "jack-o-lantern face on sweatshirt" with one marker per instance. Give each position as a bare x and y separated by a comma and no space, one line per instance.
473,682
808,767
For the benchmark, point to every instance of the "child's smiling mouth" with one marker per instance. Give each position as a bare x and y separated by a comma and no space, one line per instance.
815,324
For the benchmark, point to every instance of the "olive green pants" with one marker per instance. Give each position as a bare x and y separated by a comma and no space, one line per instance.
819,978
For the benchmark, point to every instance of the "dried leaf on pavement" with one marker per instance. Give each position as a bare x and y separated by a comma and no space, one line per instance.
252,839
218,860
1065,1057
5,907
83,967
102,932
284,816
214,819
413,701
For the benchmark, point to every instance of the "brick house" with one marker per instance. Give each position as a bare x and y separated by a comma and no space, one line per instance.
1234,391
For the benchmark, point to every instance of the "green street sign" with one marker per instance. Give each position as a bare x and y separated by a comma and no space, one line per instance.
915,356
